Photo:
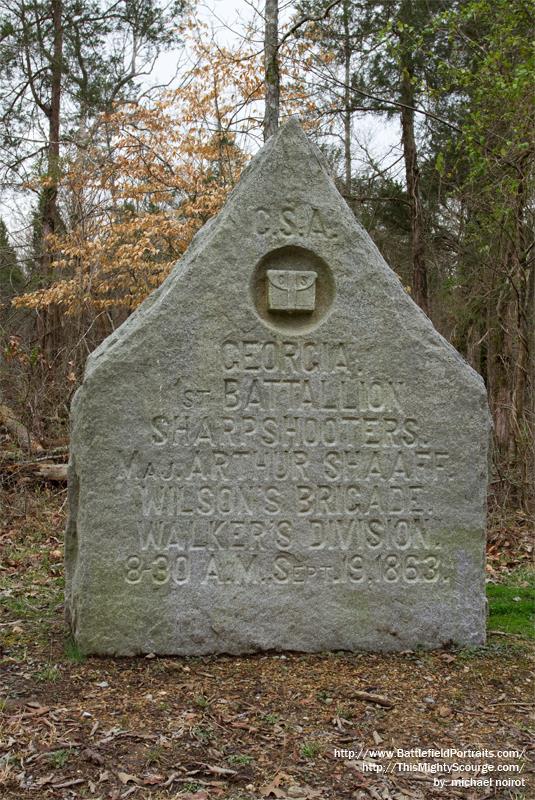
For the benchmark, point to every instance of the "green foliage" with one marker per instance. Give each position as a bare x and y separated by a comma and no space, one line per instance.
240,760
11,277
311,749
58,758
495,78
49,673
155,756
271,719
204,733
201,701
105,49
512,608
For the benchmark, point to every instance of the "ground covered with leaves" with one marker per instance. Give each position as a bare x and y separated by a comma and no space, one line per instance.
327,726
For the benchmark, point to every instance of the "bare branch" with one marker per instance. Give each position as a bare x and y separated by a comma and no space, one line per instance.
304,20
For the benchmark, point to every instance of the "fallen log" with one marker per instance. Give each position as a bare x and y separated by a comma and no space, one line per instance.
18,431
51,472
38,469
368,697
46,455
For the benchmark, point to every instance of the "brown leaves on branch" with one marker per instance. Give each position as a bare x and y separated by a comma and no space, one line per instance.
142,182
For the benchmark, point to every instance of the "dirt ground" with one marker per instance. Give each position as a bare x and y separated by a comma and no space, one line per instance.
244,728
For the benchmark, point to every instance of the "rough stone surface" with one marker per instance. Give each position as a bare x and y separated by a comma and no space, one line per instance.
300,465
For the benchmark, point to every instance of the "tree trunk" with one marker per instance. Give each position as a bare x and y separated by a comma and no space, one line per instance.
522,326
412,174
50,192
347,106
271,66
530,461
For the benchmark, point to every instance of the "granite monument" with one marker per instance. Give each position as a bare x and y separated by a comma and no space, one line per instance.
277,450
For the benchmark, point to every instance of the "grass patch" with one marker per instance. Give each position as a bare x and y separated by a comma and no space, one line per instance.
49,673
201,701
311,749
72,651
23,608
155,756
202,733
58,758
240,760
189,788
512,607
522,576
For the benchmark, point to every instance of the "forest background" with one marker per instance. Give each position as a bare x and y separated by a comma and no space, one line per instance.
124,125
107,175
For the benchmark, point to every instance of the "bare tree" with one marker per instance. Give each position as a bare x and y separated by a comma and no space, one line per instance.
271,68
412,171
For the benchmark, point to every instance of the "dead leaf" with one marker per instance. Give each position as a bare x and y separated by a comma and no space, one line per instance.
377,738
244,725
125,778
372,791
153,780
272,788
43,781
303,792
93,756
447,657
338,723
220,770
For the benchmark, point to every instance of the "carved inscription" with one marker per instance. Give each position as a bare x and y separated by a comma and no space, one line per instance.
310,472
294,221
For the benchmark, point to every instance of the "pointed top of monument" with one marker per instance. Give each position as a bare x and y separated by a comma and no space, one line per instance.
285,215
